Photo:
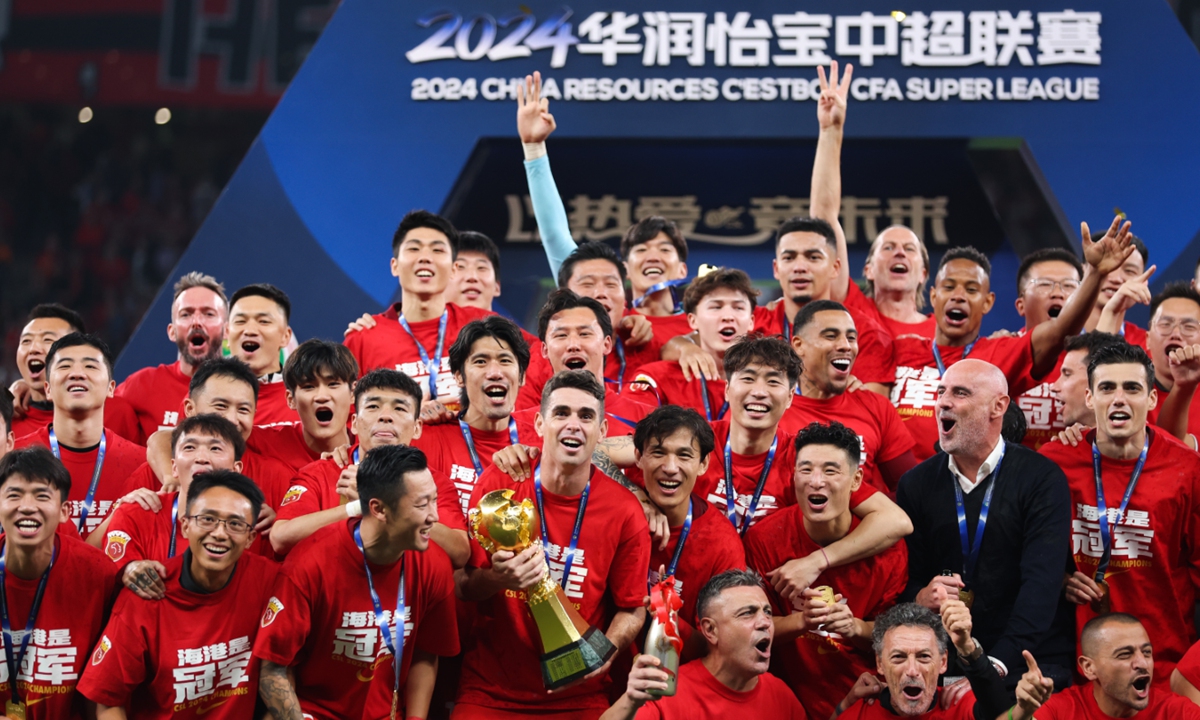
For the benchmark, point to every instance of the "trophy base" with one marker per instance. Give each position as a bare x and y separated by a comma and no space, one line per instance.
564,665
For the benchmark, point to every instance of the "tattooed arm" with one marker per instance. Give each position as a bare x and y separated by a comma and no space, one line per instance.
275,687
610,455
145,579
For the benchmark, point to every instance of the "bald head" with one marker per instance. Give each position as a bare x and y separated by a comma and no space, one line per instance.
1097,635
972,398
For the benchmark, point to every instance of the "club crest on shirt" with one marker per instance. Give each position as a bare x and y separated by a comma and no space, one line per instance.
102,649
274,607
293,494
115,544
643,383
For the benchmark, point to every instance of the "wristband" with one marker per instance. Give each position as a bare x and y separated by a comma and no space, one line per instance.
354,508
827,563
533,151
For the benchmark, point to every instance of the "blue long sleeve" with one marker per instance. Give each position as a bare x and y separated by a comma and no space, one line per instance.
550,213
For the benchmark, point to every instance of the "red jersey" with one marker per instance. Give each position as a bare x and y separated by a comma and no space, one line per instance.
1079,703
1193,421
271,476
917,377
388,345
157,395
1189,666
873,709
623,413
450,460
502,669
1134,335
121,459
78,595
119,417
870,586
875,363
36,417
616,374
880,430
1155,550
321,621
711,548
187,655
661,383
857,302
701,696
668,327
272,409
284,443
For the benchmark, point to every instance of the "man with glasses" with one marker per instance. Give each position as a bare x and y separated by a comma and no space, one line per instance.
1172,338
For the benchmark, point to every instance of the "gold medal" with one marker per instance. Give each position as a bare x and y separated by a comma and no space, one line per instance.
14,710
1102,605
395,705
827,594
967,597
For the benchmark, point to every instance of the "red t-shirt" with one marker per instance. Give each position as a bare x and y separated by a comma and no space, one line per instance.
540,371
387,345
450,460
870,586
857,302
1156,554
1193,421
875,362
1189,666
1134,335
622,412
712,547
880,430
272,409
121,459
270,475
668,327
79,593
320,619
1079,703
187,655
778,490
36,418
873,709
662,383
118,417
502,669
157,395
917,377
284,443
700,695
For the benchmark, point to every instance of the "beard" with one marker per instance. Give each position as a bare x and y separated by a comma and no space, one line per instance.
188,351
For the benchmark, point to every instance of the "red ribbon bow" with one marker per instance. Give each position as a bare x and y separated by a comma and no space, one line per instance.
665,604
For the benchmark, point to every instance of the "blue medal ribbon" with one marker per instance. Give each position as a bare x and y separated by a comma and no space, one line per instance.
91,493
174,531
683,536
937,355
620,348
431,365
466,433
708,403
970,549
395,645
354,456
1108,528
658,287
15,659
731,493
570,557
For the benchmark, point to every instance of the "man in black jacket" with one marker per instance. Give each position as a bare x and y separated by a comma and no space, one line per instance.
991,525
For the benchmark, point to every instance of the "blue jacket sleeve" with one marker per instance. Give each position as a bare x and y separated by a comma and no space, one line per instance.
550,213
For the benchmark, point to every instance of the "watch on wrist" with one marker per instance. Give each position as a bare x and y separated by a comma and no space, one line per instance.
976,654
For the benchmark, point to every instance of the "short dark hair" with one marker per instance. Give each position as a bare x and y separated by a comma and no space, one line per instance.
1091,342
563,299
648,228
77,339
1041,255
833,434
969,253
721,278
589,251
6,410
1092,627
769,350
1178,289
268,291
663,422
810,309
806,224
234,481
197,279
36,463
388,379
493,326
381,473
424,219
477,242
226,367
62,312
1121,354
315,358
577,379
909,615
211,425
1014,426
722,582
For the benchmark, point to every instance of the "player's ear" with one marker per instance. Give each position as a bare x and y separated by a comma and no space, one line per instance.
237,466
291,399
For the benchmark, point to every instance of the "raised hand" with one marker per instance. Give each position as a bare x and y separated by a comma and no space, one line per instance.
929,596
1033,689
1134,291
831,106
1082,589
1185,365
957,619
1111,250
534,121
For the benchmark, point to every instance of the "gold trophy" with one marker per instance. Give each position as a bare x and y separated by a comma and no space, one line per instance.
571,649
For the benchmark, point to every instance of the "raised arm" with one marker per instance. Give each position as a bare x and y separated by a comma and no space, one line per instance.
534,125
826,191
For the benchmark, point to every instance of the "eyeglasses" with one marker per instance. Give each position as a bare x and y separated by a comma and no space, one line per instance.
1043,286
208,523
1187,328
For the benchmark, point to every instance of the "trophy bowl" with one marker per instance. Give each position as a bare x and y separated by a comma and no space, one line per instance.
500,524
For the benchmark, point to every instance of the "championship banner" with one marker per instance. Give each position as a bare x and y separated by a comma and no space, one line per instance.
998,126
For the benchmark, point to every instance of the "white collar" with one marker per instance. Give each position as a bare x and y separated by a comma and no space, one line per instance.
985,469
